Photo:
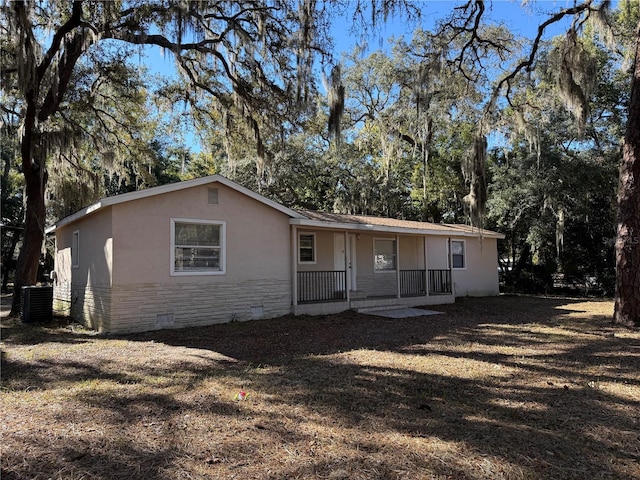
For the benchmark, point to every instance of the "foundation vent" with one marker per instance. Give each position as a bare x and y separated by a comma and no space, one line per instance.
213,196
164,320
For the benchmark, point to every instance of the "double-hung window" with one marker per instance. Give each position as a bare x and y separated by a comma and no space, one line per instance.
457,254
384,255
197,247
306,248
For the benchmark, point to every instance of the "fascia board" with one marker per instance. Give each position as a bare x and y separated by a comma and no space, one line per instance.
387,229
172,187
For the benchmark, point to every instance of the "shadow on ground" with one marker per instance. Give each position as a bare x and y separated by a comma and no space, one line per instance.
513,387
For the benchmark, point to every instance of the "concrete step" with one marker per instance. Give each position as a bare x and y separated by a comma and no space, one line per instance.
357,294
379,308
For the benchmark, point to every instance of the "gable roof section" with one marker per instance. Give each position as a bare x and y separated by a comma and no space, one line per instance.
306,218
388,225
172,187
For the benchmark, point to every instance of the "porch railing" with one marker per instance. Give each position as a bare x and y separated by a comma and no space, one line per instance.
440,282
322,286
412,283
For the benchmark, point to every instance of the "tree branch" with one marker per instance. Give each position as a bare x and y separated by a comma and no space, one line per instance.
528,63
73,22
73,51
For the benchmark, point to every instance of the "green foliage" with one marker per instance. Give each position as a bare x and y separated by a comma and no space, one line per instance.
408,118
556,211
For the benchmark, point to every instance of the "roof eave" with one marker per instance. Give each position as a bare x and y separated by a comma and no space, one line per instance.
172,187
361,227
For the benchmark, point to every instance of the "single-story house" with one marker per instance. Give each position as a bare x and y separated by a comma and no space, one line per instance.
208,251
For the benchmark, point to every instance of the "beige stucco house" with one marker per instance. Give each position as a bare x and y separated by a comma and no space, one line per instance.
209,251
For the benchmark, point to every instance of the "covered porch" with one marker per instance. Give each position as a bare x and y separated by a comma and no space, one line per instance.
343,266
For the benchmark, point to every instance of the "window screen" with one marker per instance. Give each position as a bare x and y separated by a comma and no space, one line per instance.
385,255
197,247
457,254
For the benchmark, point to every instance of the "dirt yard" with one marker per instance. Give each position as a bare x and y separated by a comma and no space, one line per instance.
499,388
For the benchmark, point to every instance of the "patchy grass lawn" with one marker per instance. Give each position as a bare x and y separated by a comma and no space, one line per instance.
506,387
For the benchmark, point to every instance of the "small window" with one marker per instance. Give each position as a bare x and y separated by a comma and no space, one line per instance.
75,249
384,255
457,254
307,248
198,247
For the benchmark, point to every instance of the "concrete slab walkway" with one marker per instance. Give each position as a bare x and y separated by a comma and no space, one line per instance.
403,313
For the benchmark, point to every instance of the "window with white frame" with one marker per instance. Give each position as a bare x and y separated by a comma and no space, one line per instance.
75,249
197,247
384,254
458,259
306,248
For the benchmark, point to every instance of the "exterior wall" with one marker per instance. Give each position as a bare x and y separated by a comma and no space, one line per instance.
83,291
256,283
91,306
374,284
62,267
257,237
412,253
437,253
324,251
155,306
480,275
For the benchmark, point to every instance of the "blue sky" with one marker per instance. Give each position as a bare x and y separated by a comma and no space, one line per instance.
521,18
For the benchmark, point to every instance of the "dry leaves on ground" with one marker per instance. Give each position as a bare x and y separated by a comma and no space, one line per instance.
502,388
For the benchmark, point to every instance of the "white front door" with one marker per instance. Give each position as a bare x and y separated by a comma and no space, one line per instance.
352,262
345,261
339,259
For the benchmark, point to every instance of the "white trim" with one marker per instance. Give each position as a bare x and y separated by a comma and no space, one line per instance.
340,261
314,248
361,227
464,253
172,187
294,264
425,245
223,247
398,287
75,249
353,264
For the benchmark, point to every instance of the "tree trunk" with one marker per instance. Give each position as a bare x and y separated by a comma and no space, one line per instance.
627,300
35,217
426,154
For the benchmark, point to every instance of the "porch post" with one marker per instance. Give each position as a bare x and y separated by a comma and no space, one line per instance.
294,264
426,267
347,266
398,291
450,261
